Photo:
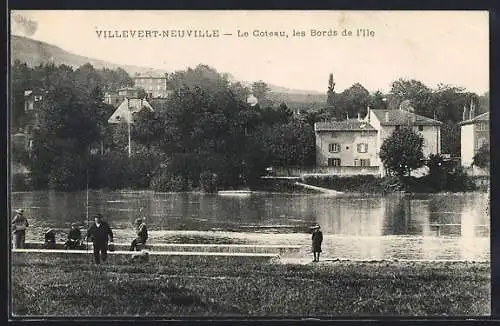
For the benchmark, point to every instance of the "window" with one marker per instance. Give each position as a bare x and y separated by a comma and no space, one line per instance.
362,162
480,142
482,127
334,148
396,128
362,148
333,162
420,128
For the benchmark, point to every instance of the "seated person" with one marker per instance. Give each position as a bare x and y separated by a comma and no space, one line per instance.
74,238
142,235
50,239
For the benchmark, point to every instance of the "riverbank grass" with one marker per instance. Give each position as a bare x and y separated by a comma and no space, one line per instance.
215,286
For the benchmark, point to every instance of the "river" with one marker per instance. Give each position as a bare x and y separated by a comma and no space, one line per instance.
355,226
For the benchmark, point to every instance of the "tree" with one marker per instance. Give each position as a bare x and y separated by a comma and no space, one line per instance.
141,93
202,76
289,144
280,115
438,172
450,138
402,151
377,101
484,103
330,100
260,90
240,91
413,90
353,101
482,157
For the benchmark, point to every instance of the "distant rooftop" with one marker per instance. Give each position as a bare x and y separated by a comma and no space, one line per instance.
482,117
126,110
344,125
150,76
401,117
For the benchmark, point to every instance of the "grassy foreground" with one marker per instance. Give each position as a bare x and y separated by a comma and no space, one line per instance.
216,286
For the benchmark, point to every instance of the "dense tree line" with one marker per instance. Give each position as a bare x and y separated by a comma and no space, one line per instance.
204,135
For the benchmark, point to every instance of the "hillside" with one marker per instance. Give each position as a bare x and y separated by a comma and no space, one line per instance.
34,52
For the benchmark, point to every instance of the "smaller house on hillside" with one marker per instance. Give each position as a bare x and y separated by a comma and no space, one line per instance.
31,99
475,133
155,85
127,109
128,92
113,99
116,98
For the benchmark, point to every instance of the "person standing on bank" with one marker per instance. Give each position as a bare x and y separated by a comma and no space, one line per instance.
19,225
142,235
100,232
317,239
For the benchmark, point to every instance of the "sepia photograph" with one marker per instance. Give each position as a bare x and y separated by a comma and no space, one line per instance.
242,164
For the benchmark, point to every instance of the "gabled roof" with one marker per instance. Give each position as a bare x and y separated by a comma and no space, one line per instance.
125,111
480,118
400,117
343,125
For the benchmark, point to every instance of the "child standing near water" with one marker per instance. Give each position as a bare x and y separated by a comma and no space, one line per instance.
317,239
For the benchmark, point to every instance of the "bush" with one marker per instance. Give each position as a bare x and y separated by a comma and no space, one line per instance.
458,180
482,157
110,171
21,182
167,182
358,183
68,174
208,182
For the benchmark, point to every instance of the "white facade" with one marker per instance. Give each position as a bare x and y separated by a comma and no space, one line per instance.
474,133
380,124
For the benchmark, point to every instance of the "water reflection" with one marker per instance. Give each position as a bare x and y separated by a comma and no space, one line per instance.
437,226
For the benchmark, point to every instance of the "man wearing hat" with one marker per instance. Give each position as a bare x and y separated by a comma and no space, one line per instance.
142,235
100,232
317,239
19,225
74,238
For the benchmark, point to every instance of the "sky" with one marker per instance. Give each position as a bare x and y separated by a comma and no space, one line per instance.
449,47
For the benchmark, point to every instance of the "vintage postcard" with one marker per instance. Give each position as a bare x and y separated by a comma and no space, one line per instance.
236,164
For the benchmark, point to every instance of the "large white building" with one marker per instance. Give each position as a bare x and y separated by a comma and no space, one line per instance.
474,132
353,146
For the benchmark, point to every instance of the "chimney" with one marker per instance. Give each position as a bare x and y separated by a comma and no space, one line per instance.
472,109
464,114
386,116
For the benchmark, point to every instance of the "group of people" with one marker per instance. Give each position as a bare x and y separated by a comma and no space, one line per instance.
99,232
101,235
